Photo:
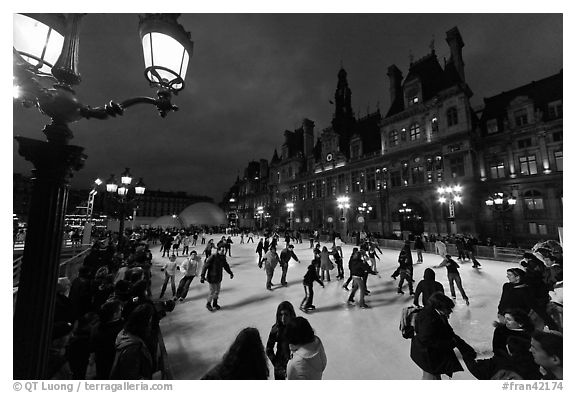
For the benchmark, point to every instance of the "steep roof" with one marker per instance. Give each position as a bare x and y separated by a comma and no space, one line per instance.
541,92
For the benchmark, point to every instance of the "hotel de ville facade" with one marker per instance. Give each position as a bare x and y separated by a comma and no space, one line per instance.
429,164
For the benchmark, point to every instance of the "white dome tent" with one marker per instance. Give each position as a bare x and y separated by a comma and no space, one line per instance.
203,213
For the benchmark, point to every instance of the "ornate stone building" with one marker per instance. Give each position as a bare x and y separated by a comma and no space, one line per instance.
429,140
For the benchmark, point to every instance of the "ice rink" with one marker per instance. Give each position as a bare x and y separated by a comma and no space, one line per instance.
360,344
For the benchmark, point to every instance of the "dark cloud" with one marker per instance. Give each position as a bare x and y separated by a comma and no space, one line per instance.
252,76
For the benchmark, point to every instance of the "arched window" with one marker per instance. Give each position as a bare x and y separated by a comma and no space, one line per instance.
393,138
452,116
414,131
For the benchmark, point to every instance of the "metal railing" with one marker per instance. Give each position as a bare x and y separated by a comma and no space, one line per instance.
485,252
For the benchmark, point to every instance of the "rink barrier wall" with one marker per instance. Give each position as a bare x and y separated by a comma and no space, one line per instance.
485,252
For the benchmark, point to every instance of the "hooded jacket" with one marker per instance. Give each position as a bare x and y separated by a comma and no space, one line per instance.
133,359
308,361
427,287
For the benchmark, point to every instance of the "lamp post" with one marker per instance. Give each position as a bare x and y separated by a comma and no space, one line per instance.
290,210
45,59
364,209
124,195
500,203
260,213
450,194
343,203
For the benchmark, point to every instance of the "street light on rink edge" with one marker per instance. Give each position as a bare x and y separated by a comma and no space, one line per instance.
45,58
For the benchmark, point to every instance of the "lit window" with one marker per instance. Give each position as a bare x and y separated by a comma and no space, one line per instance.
452,116
537,229
393,138
558,159
497,170
533,200
414,132
528,165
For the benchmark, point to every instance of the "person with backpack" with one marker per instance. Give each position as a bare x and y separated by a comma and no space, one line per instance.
432,348
453,277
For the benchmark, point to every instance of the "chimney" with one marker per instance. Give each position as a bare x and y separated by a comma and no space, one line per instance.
308,127
454,40
395,76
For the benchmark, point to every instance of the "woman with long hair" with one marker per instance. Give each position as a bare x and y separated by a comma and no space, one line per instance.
245,359
277,338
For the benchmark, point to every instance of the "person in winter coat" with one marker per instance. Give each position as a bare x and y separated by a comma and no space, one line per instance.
432,347
440,247
191,267
517,323
259,250
169,270
406,255
277,338
285,256
358,271
338,256
325,264
308,356
212,271
405,269
208,249
515,363
133,359
270,261
308,282
427,287
453,277
229,245
546,348
244,360
103,341
515,293
419,247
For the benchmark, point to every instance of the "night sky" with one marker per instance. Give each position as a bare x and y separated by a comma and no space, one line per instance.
252,76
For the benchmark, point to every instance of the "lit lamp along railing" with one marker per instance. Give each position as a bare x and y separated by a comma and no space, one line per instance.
45,59
343,203
501,202
450,194
260,215
364,209
290,210
125,195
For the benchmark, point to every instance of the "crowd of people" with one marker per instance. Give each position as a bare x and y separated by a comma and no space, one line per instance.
108,314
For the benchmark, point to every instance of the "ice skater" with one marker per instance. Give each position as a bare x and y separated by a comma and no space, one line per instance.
259,249
336,253
277,338
213,267
169,270
359,269
308,282
453,276
285,256
270,260
191,267
419,247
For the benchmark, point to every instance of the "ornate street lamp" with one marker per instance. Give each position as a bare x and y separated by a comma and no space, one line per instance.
290,210
500,203
45,57
450,194
260,213
125,195
364,209
343,203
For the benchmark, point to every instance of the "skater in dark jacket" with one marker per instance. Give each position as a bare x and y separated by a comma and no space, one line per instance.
259,250
515,293
308,282
453,277
277,338
433,345
427,287
359,269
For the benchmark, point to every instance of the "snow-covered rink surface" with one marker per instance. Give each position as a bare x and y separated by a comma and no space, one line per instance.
360,344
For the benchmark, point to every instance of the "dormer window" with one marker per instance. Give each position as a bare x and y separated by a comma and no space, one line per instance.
412,94
452,116
492,126
521,117
555,110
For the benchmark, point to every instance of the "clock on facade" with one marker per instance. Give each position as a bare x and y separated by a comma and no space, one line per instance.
329,157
